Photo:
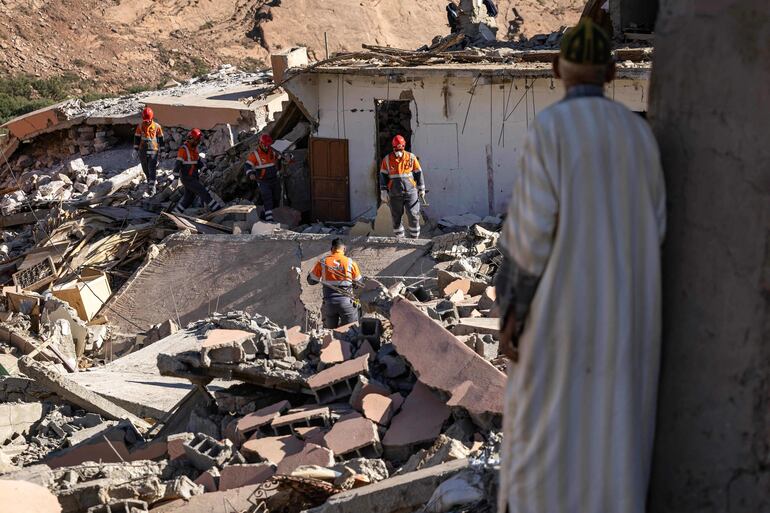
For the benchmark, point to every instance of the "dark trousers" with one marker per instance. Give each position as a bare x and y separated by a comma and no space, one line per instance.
407,201
149,166
338,312
193,187
270,190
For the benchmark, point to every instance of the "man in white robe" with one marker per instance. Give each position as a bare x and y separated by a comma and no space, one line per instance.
580,292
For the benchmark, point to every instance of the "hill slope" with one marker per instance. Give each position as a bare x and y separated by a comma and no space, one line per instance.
120,44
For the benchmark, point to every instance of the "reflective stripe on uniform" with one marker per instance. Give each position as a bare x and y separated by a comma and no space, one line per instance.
337,270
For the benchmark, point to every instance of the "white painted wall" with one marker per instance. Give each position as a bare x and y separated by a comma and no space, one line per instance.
452,150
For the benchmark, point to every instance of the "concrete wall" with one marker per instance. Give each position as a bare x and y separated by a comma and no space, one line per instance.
454,152
712,452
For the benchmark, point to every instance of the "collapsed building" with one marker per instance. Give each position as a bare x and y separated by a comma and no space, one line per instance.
154,361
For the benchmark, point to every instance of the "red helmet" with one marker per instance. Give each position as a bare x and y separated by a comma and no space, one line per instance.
265,140
147,114
195,134
399,142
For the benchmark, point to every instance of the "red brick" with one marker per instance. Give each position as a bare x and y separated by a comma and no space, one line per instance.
250,423
334,350
311,454
462,284
352,433
272,448
363,388
209,480
398,401
420,419
314,435
297,341
175,445
236,476
377,408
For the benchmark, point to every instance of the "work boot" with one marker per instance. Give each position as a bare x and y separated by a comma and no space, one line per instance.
152,190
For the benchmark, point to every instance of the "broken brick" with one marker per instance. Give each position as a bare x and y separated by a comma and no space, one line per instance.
462,284
298,342
236,476
314,435
209,480
363,388
337,382
420,420
175,444
377,408
273,448
311,454
286,424
487,299
205,452
251,423
354,435
366,349
224,346
335,350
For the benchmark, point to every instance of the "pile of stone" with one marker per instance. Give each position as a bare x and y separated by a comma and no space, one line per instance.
87,139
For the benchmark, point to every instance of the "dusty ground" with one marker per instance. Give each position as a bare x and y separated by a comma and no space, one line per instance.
123,43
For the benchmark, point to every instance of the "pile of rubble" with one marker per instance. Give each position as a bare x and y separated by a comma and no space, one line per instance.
382,415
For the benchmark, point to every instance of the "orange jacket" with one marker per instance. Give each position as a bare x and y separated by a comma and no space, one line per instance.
148,137
337,270
262,163
401,174
188,161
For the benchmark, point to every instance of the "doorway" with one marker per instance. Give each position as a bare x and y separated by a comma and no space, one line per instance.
393,117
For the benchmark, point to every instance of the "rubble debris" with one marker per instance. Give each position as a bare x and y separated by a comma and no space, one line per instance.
464,489
17,418
470,382
288,424
273,449
310,454
237,476
75,393
337,382
205,452
27,497
420,420
354,434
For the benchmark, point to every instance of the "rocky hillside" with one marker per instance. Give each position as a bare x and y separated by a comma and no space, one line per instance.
117,45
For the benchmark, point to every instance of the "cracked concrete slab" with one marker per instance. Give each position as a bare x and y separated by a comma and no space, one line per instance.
197,274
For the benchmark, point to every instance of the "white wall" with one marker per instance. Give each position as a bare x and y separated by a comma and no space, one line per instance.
453,151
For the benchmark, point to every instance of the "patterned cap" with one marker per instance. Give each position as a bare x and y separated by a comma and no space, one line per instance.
586,43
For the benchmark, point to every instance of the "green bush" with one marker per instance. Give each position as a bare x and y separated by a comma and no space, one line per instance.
20,94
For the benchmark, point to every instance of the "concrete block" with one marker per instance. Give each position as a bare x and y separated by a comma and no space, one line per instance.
311,454
364,387
248,425
354,435
272,449
205,452
237,476
298,342
314,435
17,418
487,299
284,60
337,382
175,444
420,420
484,326
463,285
209,480
378,408
224,346
287,424
334,350
400,493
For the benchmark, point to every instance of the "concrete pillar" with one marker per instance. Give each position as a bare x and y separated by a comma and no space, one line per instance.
710,99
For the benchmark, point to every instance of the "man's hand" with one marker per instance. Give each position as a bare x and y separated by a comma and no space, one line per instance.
253,178
384,196
134,154
421,195
509,346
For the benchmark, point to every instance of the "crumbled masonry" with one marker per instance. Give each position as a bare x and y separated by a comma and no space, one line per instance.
157,361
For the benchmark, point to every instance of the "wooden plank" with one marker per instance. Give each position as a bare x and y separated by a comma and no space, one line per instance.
22,218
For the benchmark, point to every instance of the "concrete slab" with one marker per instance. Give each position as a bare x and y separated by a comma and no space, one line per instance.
17,418
272,448
311,454
354,434
237,476
401,493
420,420
470,381
134,383
242,272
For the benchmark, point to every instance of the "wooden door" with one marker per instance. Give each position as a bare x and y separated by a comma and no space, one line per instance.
330,179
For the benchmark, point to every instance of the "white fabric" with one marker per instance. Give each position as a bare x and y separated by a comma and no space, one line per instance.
588,217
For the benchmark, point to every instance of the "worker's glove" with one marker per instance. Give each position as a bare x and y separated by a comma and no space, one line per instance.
134,154
384,196
253,177
421,195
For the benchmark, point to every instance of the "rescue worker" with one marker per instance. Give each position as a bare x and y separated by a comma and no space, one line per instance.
579,289
262,167
338,274
148,139
189,163
453,17
402,185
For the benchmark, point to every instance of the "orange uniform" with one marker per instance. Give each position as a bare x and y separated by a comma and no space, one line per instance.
148,137
401,174
337,270
262,163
